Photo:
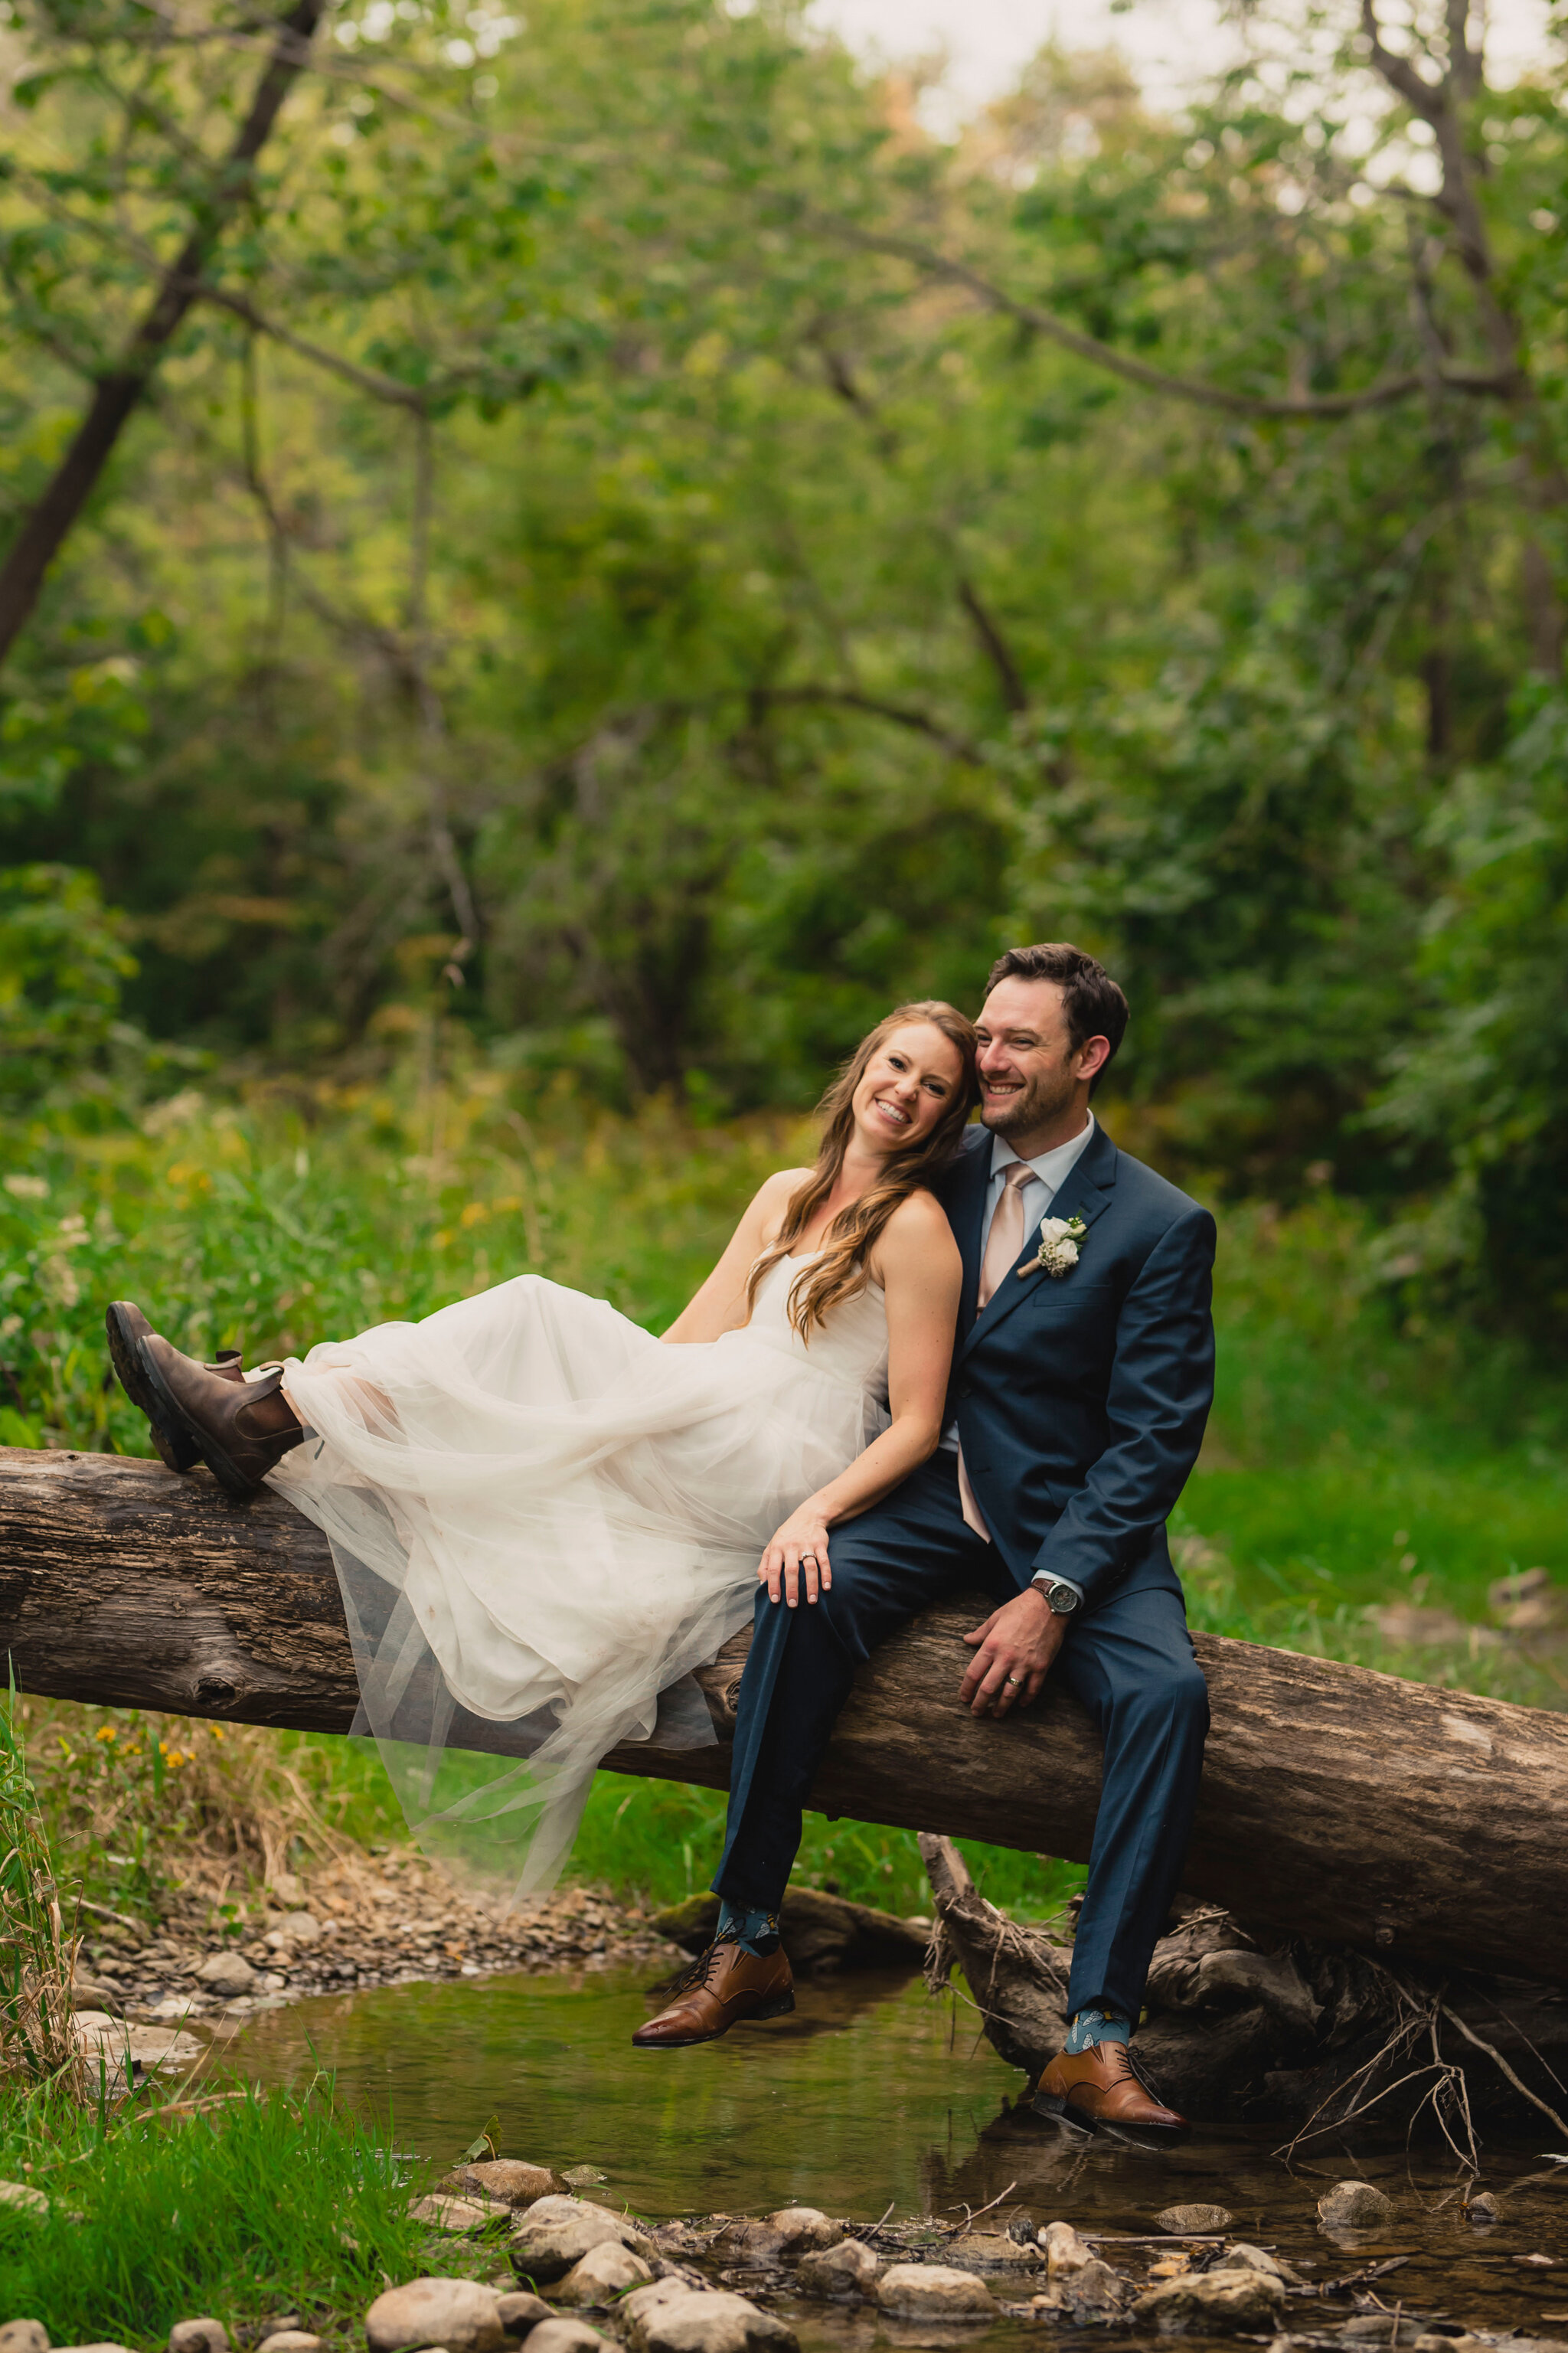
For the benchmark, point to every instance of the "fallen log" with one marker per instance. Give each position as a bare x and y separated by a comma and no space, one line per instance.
1337,1804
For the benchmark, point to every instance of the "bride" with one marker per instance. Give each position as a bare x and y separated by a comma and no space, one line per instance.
543,1518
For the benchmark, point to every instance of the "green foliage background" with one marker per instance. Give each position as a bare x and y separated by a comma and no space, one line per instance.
592,560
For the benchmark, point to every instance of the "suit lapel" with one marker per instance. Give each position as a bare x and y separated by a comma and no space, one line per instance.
1087,1194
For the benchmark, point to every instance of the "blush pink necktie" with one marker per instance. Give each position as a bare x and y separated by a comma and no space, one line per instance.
1003,1246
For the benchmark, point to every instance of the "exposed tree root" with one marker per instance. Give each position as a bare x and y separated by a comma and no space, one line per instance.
1242,2023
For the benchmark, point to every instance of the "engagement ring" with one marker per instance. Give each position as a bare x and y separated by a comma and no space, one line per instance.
1014,1679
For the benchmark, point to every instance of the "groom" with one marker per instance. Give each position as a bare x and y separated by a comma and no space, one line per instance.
1078,1394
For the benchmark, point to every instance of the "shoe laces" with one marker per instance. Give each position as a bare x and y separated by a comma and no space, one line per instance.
1139,2072
699,1970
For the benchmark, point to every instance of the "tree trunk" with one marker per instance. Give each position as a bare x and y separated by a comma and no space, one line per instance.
1348,1807
117,393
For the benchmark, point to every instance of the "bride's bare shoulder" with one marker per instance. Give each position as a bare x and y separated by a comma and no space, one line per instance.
918,1236
773,1197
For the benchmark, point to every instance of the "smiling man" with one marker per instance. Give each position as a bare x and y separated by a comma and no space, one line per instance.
1082,1375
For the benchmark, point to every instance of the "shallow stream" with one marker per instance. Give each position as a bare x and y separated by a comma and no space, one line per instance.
873,2096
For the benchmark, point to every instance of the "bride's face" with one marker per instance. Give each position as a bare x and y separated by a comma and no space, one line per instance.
910,1080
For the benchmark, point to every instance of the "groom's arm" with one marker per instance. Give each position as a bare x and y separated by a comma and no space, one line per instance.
1162,1386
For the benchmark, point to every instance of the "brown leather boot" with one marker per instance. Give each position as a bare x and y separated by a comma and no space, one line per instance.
240,1428
1099,2086
126,1325
724,1985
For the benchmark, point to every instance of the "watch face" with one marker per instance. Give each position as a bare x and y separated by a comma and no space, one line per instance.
1063,1599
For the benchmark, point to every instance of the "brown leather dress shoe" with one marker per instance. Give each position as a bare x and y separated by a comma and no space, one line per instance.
126,1325
724,1985
239,1428
1101,2086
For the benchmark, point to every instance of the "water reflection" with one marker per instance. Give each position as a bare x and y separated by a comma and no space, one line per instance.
871,2095
838,2106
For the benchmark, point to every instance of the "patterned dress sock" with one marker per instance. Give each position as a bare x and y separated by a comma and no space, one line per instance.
757,1930
1092,2026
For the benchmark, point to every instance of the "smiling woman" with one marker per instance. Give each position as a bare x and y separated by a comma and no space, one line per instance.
543,1517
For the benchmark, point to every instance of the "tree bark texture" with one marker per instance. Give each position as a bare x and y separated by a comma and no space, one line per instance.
1337,1804
118,391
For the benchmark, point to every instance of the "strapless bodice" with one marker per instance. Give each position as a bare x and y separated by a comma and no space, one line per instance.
850,1348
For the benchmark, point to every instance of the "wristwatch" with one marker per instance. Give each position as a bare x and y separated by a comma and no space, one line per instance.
1062,1600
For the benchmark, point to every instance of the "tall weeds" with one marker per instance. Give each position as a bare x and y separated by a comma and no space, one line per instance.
37,1951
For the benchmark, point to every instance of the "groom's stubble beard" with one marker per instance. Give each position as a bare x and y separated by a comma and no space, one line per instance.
1047,1094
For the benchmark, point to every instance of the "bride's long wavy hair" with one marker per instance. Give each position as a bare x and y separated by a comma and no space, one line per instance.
843,1267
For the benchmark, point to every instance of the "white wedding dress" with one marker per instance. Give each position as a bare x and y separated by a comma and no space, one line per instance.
543,1518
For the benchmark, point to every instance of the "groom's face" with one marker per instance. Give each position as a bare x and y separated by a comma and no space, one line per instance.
1029,1068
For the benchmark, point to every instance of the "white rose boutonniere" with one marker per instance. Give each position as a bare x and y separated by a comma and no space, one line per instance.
1057,1253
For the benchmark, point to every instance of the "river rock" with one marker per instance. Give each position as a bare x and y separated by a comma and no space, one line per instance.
602,2274
296,1928
745,2240
519,2312
149,2046
708,2321
28,2337
457,2215
934,2291
1194,2222
1065,2250
1219,2303
1452,2344
642,2301
993,2247
459,2313
804,2230
289,2340
205,2336
107,2347
23,2198
507,2180
845,2270
1483,2208
1090,2292
227,1974
566,2337
1354,2206
1242,2256
553,2234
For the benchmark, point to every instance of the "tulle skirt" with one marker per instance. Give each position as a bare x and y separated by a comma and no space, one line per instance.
543,1518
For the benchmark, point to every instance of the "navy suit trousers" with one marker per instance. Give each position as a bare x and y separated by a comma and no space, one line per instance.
1130,1662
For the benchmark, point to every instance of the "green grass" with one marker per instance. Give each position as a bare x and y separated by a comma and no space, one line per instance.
1351,1461
268,2202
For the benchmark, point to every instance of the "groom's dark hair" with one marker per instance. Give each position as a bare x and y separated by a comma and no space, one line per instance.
1094,1006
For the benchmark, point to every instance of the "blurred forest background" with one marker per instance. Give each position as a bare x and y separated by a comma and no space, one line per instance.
552,565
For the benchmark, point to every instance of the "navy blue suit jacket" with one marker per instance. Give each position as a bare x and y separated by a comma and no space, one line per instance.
1080,1399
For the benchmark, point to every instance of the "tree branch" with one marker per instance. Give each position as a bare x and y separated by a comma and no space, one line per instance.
117,394
995,646
368,380
957,747
1153,379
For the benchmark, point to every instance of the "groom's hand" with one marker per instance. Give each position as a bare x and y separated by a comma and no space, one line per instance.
1016,1647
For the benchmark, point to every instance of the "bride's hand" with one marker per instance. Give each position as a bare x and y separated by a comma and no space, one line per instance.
797,1557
